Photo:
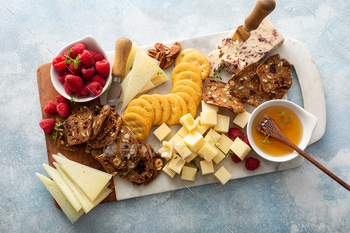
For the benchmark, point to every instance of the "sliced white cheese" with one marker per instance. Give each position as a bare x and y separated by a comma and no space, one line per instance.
142,71
129,64
159,78
90,180
63,186
56,193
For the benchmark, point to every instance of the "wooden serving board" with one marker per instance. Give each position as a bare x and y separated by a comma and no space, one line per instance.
48,92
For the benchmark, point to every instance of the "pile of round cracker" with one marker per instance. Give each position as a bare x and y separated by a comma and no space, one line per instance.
191,69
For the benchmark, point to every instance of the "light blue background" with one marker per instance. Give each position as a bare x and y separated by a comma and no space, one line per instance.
297,200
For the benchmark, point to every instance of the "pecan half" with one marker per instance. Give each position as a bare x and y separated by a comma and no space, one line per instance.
164,54
174,50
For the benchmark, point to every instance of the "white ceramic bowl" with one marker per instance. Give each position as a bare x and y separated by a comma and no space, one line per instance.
308,121
91,44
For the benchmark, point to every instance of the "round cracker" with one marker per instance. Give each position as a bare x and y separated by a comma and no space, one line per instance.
182,54
189,75
190,83
143,104
182,103
156,106
137,124
186,66
199,60
176,110
142,112
166,110
191,104
189,90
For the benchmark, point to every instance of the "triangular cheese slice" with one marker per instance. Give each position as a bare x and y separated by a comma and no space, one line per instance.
60,198
131,58
90,180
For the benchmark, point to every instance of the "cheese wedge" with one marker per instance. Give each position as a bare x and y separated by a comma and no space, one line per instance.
90,180
63,186
56,193
131,58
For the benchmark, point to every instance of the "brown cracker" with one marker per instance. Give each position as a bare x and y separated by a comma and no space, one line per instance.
99,115
109,123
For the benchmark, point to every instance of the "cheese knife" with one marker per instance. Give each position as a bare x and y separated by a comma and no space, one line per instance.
262,9
122,50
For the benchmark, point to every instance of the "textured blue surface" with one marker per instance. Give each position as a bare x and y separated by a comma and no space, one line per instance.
298,200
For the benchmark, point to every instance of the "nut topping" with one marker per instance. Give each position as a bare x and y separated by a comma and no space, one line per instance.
164,54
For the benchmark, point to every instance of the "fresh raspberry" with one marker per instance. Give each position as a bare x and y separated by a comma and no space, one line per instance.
67,89
75,83
235,158
95,88
61,99
75,71
96,55
48,125
50,107
78,48
61,76
84,91
245,139
252,163
233,133
87,72
63,109
98,79
59,63
102,68
86,59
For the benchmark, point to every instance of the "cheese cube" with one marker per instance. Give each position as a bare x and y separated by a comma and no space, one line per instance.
219,157
206,107
206,167
224,143
176,139
162,131
223,124
167,151
208,152
168,171
188,122
189,173
240,148
242,119
212,137
194,141
182,132
191,157
201,128
176,164
222,175
183,150
209,118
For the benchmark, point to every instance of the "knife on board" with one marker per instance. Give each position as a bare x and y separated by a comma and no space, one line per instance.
122,50
262,9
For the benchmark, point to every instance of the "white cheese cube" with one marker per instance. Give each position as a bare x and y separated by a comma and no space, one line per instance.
189,173
219,157
240,148
201,128
183,132
168,171
188,122
212,137
191,157
176,164
209,118
223,175
242,119
208,152
206,107
224,143
194,140
167,151
206,167
162,131
183,150
176,139
223,124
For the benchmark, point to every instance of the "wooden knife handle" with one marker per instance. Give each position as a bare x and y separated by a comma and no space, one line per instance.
262,9
122,49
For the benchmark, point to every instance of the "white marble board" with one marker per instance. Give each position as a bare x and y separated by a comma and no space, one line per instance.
314,102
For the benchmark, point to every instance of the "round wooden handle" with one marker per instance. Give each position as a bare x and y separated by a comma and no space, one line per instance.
122,49
262,9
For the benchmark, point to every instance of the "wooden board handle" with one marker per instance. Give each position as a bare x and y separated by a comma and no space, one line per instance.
262,9
122,49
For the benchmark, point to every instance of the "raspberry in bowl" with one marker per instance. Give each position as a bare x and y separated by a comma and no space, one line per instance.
74,67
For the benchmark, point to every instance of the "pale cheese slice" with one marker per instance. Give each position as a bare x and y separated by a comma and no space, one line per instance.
159,78
63,186
90,180
56,193
129,64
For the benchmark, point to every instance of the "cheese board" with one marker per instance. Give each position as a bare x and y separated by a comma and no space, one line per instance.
312,93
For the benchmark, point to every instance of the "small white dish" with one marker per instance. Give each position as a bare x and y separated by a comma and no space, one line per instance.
91,44
308,121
